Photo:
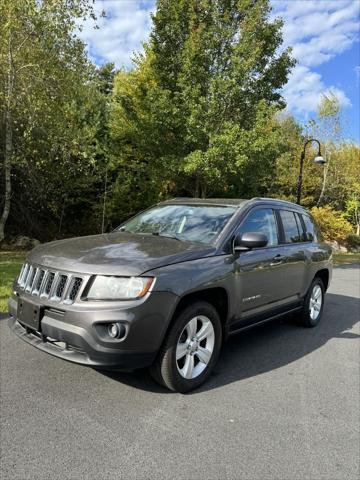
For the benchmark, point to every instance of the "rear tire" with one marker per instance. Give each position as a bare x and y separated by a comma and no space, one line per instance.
313,308
190,350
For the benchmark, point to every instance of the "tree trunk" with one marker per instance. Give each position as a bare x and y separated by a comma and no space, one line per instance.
203,191
326,168
197,186
8,147
62,215
104,201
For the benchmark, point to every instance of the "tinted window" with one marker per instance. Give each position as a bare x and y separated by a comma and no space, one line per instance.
291,231
195,223
261,220
310,229
300,226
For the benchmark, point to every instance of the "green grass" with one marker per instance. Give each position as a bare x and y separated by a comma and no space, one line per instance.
346,258
10,264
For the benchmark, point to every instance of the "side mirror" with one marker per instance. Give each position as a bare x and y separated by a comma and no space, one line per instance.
249,240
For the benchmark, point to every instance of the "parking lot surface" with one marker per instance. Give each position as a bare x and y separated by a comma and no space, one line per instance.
283,404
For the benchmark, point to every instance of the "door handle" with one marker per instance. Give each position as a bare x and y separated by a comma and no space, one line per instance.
277,259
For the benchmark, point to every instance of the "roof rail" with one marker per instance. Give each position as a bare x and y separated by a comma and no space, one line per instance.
278,200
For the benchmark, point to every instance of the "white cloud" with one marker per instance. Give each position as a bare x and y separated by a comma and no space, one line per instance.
322,48
121,33
317,30
324,18
305,88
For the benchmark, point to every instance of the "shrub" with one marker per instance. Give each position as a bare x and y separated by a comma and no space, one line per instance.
352,242
332,223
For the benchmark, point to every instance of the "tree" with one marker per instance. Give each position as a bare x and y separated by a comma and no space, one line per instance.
332,223
352,207
329,130
341,172
285,176
43,70
343,177
198,107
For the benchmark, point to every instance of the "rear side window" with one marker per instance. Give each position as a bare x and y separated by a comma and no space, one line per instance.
311,230
290,226
261,220
301,229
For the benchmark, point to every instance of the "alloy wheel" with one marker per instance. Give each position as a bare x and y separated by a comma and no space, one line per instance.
316,299
195,347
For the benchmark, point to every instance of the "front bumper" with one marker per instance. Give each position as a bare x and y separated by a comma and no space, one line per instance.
86,355
73,334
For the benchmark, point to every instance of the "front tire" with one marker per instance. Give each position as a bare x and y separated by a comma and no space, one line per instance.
190,350
314,304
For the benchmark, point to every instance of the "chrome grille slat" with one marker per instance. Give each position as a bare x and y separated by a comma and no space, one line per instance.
38,281
25,274
34,280
60,286
44,284
49,284
54,285
73,289
30,279
21,275
67,287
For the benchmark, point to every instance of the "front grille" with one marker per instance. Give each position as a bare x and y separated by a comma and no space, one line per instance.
51,284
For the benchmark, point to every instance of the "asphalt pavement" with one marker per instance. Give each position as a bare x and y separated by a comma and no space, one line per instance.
283,404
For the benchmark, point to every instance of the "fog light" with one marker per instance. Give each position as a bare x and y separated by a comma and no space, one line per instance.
116,330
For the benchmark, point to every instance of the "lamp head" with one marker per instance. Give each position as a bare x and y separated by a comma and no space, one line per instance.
319,160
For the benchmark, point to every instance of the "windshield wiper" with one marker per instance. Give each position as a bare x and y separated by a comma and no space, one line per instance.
166,235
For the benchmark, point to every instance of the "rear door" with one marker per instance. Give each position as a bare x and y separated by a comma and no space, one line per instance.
292,240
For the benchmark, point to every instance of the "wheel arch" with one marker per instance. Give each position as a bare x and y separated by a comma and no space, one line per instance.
218,297
324,275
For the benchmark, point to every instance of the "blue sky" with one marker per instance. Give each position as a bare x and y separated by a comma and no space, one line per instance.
324,35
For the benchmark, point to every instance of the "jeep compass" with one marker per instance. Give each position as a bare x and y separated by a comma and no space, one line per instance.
167,287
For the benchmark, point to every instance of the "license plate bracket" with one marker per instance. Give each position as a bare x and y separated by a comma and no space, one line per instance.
29,313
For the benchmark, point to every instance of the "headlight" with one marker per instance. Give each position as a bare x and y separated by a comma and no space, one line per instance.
119,288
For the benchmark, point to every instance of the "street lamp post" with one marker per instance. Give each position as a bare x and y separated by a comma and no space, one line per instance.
319,160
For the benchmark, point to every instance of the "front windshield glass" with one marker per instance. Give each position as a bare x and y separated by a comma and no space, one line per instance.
193,223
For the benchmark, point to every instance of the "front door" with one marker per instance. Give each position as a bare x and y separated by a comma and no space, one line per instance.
260,274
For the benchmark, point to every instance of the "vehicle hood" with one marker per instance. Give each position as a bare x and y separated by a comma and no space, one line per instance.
116,253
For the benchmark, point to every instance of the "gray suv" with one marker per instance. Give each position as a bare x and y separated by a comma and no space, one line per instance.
167,287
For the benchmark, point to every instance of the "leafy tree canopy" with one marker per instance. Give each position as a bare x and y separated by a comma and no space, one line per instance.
195,115
47,106
199,114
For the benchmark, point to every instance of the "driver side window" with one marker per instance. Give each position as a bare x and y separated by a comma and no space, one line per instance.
261,220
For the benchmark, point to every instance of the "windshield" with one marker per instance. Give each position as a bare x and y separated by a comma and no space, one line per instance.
193,223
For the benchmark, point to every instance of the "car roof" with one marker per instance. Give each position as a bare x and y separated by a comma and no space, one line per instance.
232,202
